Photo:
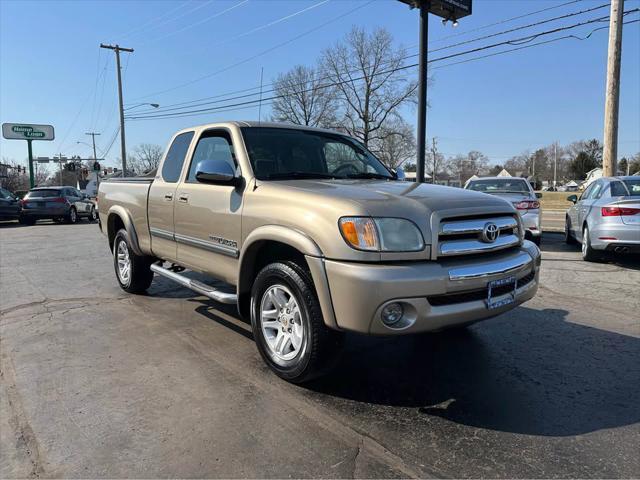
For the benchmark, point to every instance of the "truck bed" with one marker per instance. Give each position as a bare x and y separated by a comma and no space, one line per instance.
130,194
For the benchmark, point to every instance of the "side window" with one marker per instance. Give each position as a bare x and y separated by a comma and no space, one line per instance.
618,189
587,192
595,193
213,145
174,160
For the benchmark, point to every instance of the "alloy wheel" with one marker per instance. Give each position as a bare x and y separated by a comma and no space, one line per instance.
281,322
124,263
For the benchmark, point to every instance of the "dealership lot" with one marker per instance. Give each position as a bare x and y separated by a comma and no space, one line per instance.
98,383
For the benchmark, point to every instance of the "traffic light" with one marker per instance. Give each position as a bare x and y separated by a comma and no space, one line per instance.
96,166
71,167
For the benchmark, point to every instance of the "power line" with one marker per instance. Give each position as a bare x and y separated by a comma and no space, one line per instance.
268,50
192,103
509,42
140,28
200,22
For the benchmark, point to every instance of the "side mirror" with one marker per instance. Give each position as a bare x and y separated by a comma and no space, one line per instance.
538,195
572,198
400,174
215,171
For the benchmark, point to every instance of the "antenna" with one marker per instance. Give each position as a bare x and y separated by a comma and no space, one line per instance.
260,101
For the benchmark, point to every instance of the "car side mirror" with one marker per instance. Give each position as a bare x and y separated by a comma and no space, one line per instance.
400,174
217,172
572,198
538,195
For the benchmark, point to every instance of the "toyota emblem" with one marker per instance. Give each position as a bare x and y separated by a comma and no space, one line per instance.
490,232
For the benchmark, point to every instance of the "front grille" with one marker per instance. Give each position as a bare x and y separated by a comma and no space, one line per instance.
464,236
477,294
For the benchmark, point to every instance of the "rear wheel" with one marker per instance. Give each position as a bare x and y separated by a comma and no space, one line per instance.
132,271
93,215
288,326
27,221
568,239
588,253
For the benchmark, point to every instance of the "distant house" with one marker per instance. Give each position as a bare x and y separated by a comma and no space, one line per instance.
411,176
504,173
571,186
592,175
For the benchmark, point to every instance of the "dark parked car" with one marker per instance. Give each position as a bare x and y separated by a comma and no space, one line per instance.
56,203
9,205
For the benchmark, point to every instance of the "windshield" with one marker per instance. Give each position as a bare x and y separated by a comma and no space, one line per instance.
50,193
282,153
499,185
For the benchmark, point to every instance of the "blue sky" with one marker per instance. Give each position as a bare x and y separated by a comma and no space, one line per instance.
52,70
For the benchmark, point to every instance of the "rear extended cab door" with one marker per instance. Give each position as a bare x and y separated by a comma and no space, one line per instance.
208,226
162,195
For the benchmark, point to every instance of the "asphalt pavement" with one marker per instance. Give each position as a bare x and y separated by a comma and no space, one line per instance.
98,383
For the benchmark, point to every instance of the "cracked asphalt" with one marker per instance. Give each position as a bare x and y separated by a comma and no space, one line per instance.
98,383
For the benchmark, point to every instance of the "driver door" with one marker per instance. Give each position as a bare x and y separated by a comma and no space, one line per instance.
207,216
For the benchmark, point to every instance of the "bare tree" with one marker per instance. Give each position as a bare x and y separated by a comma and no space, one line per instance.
303,98
395,143
15,176
435,159
464,167
371,89
146,157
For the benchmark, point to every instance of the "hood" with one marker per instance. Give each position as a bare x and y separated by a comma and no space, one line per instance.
395,198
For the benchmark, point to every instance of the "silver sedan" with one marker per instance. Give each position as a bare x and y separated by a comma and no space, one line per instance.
518,192
606,217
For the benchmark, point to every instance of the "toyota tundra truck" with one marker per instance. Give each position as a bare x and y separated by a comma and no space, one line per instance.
311,236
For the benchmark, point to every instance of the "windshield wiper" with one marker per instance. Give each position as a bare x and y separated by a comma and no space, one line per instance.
297,175
368,175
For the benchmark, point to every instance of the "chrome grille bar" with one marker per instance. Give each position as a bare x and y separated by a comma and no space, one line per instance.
476,225
466,247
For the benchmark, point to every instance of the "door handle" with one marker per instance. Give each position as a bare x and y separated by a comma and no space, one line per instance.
168,196
183,198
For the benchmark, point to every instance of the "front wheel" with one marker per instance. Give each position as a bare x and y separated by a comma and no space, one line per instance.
132,271
93,215
568,239
72,216
288,326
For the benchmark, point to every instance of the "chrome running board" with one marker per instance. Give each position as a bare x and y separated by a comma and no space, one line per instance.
196,286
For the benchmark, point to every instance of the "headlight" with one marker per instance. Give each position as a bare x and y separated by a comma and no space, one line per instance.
381,234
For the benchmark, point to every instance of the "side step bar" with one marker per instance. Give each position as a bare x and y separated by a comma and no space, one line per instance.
201,288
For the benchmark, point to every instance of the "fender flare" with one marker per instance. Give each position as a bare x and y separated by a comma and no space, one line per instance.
121,212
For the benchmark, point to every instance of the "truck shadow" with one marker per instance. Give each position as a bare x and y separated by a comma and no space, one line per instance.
537,375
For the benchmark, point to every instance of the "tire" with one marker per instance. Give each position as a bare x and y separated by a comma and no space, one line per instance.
299,322
588,253
93,215
138,277
27,221
72,216
568,239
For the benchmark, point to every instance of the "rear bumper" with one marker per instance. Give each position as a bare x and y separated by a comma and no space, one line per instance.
45,212
434,295
531,221
608,236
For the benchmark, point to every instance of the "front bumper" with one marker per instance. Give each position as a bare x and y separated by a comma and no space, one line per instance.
435,295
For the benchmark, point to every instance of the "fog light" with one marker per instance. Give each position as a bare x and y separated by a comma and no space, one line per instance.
392,314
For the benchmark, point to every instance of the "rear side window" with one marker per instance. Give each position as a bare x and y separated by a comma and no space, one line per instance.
633,186
50,193
619,190
174,160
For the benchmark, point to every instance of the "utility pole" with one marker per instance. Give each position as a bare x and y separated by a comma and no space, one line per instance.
95,156
434,154
612,99
422,89
555,163
60,165
123,149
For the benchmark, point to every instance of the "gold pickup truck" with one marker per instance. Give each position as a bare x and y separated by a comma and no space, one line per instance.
314,237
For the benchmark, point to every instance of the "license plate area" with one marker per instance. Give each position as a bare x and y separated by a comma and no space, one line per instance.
501,292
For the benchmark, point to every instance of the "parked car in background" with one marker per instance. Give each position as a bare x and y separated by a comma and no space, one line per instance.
56,203
519,192
20,193
606,217
9,205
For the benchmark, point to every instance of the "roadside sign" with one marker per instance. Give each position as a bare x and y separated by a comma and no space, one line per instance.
26,131
447,9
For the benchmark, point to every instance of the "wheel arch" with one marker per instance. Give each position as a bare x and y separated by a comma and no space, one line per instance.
267,244
118,218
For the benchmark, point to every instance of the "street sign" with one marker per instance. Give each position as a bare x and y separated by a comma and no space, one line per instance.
447,9
26,131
